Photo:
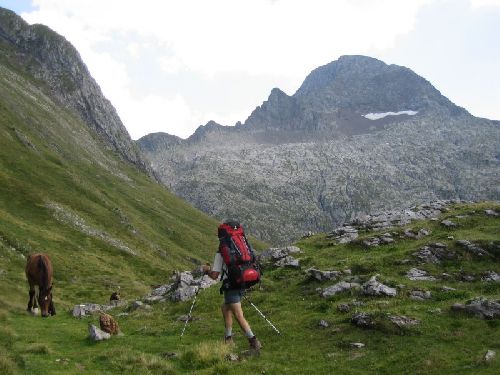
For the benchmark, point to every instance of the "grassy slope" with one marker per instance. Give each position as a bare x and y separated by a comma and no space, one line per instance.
444,343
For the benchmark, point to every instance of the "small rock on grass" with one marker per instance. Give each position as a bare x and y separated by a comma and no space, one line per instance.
490,354
357,345
448,224
323,324
97,334
231,357
168,355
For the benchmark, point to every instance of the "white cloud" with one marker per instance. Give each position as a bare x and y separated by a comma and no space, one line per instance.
198,40
483,3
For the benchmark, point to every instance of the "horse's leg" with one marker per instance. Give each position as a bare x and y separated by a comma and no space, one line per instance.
32,297
35,303
52,309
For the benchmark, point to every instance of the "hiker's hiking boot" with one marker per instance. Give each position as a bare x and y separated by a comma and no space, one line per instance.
254,343
228,340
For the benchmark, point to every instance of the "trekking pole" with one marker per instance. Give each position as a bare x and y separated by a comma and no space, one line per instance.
267,320
190,311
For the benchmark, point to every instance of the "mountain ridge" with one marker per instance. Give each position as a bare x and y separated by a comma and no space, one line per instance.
50,58
312,160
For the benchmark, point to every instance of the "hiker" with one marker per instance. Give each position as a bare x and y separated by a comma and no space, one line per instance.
235,262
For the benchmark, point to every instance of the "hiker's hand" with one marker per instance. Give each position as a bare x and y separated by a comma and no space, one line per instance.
206,268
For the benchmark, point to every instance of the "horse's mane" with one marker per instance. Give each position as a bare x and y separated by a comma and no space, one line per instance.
42,265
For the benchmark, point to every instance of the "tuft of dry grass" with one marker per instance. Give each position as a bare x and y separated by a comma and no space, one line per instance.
205,354
37,348
7,366
137,362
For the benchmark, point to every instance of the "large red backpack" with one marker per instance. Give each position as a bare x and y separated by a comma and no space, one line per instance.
242,270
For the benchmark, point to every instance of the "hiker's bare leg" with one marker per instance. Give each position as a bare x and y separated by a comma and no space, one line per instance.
228,316
238,314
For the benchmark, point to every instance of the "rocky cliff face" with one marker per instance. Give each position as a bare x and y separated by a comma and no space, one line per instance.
57,64
358,136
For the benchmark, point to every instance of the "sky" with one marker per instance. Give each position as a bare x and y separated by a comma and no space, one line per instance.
173,65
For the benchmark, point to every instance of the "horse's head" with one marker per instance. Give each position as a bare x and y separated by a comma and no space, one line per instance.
45,301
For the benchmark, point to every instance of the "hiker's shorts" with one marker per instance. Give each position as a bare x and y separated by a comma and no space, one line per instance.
232,296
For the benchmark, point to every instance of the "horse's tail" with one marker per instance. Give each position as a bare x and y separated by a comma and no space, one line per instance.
44,272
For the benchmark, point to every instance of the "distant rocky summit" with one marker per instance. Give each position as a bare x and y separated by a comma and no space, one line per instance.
50,58
358,136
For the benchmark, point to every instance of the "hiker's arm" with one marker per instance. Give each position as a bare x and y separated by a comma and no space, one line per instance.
207,270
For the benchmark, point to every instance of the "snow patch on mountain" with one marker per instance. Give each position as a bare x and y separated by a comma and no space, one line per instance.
378,116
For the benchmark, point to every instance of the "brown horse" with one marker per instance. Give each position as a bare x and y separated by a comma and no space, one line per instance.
39,272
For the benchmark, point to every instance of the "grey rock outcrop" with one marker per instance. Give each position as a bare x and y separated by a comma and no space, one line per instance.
448,223
280,257
420,295
87,309
363,320
480,307
491,213
183,287
323,275
473,248
491,276
416,274
344,234
402,321
434,253
337,288
375,288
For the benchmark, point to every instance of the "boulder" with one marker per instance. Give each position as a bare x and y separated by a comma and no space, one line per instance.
371,242
402,321
323,324
491,276
434,253
357,345
489,356
420,295
491,213
448,223
338,288
86,309
140,305
480,307
473,248
95,334
280,257
344,234
362,320
323,275
344,308
287,261
416,274
374,288
182,294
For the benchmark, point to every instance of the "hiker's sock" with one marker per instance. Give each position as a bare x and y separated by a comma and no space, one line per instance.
249,334
228,332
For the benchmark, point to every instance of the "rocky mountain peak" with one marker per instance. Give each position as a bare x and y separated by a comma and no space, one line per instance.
156,142
364,84
50,58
